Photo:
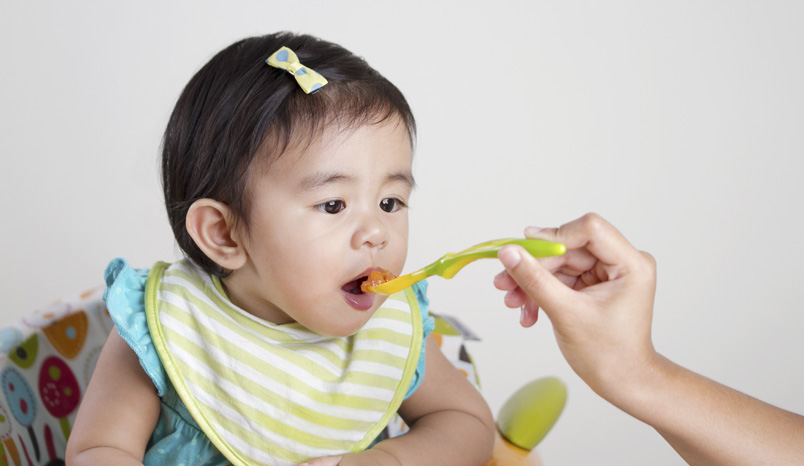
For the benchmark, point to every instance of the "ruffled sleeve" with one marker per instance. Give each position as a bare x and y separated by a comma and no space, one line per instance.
125,299
420,289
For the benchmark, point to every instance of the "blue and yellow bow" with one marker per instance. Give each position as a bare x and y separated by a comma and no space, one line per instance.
308,79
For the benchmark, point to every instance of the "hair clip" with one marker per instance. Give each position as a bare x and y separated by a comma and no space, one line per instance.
285,59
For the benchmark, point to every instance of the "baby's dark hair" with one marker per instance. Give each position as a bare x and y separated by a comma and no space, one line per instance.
237,105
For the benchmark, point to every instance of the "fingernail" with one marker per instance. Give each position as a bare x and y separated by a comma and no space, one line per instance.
509,257
526,320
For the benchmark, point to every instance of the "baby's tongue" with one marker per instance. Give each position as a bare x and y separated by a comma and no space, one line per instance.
353,287
355,297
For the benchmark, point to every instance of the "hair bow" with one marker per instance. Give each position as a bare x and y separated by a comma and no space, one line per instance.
285,59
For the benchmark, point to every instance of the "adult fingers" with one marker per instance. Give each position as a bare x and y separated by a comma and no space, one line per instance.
536,281
504,282
591,233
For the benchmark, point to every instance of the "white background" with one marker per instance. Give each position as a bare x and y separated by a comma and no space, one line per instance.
681,122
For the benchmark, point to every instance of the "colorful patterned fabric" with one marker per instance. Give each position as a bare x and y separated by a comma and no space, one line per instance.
46,360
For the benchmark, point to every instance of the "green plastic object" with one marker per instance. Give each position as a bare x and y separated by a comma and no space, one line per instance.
449,264
529,414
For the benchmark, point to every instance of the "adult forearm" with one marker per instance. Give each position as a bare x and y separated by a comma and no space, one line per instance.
708,423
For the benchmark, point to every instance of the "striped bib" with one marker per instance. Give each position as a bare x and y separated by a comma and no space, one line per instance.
278,394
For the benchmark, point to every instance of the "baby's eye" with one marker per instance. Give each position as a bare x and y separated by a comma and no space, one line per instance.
391,204
332,207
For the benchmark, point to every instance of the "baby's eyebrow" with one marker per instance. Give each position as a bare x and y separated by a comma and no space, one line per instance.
405,177
319,180
322,179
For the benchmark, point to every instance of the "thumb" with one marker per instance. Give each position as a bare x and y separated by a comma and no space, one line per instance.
535,280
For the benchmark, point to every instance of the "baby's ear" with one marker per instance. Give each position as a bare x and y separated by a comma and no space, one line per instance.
211,225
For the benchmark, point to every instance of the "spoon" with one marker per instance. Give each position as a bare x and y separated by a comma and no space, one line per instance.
448,265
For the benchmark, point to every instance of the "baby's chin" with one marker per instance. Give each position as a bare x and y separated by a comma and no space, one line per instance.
350,324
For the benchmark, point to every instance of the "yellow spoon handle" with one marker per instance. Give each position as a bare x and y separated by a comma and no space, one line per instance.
449,264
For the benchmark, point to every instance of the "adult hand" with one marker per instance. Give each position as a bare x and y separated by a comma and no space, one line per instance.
598,296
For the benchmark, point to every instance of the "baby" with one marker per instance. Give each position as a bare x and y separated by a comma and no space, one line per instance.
286,173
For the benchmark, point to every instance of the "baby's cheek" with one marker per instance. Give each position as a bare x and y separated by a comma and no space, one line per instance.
399,263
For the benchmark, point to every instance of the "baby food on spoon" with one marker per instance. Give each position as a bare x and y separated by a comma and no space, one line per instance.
376,278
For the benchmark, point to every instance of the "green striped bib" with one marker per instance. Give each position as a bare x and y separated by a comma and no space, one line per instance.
278,394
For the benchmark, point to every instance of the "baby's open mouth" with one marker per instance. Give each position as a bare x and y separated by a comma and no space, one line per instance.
355,297
353,287
358,292
366,282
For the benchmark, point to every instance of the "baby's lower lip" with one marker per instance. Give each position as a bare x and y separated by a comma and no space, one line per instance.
360,302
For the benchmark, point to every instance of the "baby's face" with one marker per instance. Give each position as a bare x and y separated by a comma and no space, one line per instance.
321,218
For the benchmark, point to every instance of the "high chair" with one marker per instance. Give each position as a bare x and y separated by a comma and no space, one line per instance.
47,359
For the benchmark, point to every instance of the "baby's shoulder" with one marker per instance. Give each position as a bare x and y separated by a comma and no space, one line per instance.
125,300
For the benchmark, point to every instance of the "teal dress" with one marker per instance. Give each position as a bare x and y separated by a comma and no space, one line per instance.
177,439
